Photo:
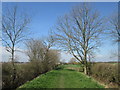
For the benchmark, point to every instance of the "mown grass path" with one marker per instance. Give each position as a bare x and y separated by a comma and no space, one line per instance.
62,78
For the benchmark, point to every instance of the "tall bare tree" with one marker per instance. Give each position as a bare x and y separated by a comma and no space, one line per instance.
79,32
14,26
114,29
114,26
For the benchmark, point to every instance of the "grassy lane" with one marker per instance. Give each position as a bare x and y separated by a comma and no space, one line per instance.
62,78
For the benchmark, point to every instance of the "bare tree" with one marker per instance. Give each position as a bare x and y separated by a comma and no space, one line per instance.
41,55
79,32
114,27
51,59
114,31
35,50
14,26
36,53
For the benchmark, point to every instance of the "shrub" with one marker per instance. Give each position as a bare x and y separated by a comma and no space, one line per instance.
106,72
6,75
25,72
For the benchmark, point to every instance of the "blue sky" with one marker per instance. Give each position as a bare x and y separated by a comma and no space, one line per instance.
44,16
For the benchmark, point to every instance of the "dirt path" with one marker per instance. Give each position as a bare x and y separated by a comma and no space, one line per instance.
61,81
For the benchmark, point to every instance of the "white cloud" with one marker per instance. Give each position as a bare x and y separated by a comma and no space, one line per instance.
4,55
65,57
106,56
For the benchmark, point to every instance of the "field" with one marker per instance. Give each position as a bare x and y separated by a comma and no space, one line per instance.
65,76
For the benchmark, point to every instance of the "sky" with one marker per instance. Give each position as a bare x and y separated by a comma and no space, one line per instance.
44,16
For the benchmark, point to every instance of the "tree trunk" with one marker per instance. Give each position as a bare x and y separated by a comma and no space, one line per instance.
85,70
14,69
85,62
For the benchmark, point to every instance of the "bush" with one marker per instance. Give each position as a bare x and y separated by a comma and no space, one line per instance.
6,75
106,72
25,72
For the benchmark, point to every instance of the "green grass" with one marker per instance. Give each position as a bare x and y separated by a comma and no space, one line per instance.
62,78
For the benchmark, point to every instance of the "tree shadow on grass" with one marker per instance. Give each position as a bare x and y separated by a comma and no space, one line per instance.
59,68
69,69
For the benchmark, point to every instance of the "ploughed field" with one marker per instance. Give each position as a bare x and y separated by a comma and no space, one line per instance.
65,76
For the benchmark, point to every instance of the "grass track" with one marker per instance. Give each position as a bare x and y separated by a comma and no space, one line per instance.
62,78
